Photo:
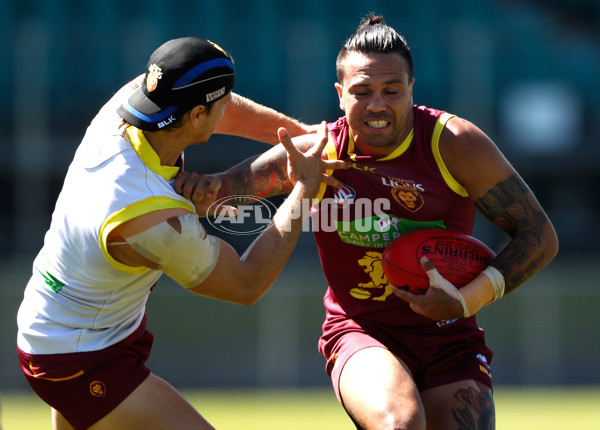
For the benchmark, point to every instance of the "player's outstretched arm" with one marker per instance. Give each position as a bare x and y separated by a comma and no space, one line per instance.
245,279
251,120
260,176
244,118
178,245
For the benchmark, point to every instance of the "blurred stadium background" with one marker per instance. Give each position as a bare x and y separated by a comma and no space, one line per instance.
525,71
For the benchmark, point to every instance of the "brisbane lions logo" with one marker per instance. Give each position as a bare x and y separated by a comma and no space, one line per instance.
372,265
97,389
409,197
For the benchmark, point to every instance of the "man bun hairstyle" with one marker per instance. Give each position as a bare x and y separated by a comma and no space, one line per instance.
373,36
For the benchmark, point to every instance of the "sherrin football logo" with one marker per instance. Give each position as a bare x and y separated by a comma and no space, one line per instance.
154,74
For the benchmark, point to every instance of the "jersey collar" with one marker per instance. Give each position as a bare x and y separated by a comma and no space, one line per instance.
395,153
148,155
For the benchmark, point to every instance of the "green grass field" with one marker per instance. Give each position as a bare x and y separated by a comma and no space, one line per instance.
546,408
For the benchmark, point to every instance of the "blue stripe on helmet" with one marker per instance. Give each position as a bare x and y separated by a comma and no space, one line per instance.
201,68
151,119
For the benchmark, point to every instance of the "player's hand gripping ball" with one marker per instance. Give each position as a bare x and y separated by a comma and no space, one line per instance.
458,257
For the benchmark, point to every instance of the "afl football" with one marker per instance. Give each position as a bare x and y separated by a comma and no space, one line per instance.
457,256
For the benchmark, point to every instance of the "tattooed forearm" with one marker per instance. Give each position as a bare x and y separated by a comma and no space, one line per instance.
261,176
512,207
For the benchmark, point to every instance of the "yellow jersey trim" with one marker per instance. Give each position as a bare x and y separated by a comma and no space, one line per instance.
351,149
395,153
401,149
435,146
128,213
331,155
148,155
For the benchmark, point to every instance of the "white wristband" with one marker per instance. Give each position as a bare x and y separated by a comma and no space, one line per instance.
497,280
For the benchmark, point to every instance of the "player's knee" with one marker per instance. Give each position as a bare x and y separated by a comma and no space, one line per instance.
414,421
405,417
409,414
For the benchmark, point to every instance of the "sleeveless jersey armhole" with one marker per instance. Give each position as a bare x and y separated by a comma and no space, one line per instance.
435,147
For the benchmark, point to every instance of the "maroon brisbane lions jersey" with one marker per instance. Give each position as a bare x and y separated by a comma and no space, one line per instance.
381,199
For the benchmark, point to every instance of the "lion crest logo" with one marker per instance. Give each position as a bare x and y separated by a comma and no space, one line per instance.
408,197
372,265
97,389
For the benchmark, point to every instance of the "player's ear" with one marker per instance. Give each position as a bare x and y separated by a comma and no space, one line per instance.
197,112
340,91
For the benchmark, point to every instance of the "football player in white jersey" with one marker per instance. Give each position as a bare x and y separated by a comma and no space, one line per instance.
118,225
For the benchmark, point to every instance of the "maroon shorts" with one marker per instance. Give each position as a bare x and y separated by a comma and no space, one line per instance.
86,386
436,357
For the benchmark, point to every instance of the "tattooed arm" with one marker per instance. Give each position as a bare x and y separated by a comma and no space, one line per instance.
503,197
511,206
260,176
264,175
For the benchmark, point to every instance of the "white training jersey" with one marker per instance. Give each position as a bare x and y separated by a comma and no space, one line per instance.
79,298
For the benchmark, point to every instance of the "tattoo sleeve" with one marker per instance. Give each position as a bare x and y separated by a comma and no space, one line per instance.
261,176
511,206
